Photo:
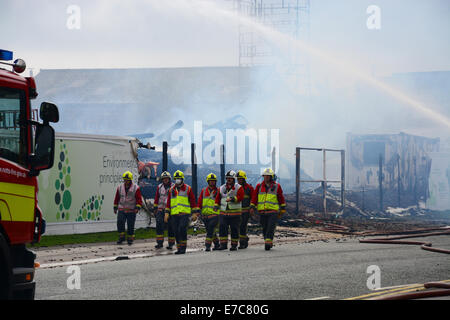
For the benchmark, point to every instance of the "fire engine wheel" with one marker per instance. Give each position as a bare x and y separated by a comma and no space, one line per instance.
5,270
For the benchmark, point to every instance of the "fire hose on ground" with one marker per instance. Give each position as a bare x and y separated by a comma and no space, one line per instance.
442,289
424,294
424,245
445,288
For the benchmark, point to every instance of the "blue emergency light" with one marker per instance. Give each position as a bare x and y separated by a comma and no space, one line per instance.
6,55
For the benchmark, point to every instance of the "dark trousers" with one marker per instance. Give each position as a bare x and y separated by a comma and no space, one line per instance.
268,223
179,226
243,238
161,226
231,222
130,219
211,222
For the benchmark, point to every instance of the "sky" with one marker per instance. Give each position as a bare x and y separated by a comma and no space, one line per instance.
413,37
150,33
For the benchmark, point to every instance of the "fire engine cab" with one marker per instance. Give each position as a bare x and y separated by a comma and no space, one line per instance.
26,148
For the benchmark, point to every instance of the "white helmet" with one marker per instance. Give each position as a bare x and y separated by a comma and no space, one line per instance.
231,174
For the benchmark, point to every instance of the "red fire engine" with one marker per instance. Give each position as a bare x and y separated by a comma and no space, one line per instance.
26,147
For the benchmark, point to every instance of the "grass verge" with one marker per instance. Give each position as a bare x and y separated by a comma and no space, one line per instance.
110,236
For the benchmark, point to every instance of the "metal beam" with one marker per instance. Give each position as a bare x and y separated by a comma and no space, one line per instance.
323,181
164,156
343,180
320,149
194,169
329,181
222,164
297,180
380,180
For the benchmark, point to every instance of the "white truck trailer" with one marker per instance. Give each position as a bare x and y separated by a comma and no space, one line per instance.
78,192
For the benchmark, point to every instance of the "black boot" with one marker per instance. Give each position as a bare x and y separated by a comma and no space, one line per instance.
208,247
181,251
233,248
223,247
158,245
243,245
268,246
121,239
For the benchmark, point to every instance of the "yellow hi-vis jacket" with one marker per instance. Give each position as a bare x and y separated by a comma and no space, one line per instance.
180,200
207,201
268,199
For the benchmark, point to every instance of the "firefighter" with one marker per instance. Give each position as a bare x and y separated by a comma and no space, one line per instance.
159,206
248,192
180,205
269,201
127,202
229,200
206,202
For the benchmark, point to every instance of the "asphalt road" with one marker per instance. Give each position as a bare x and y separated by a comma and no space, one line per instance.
333,270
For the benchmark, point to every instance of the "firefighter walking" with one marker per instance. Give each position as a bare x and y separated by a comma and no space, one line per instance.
206,202
159,206
268,200
229,200
181,203
127,203
248,192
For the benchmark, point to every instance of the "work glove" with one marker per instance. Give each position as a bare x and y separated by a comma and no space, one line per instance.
115,210
194,217
253,215
166,217
216,208
280,214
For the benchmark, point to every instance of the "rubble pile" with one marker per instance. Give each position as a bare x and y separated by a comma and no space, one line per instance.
369,200
309,203
354,219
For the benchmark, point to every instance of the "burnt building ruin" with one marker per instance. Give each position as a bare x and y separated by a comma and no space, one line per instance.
404,161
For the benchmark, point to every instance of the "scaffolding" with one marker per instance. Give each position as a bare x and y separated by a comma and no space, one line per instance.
290,17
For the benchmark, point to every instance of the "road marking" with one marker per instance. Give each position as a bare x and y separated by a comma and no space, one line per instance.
385,291
406,291
112,258
319,298
393,287
70,263
399,292
393,290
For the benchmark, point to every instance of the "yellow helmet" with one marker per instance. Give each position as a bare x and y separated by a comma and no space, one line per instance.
211,177
127,176
178,175
241,175
268,172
